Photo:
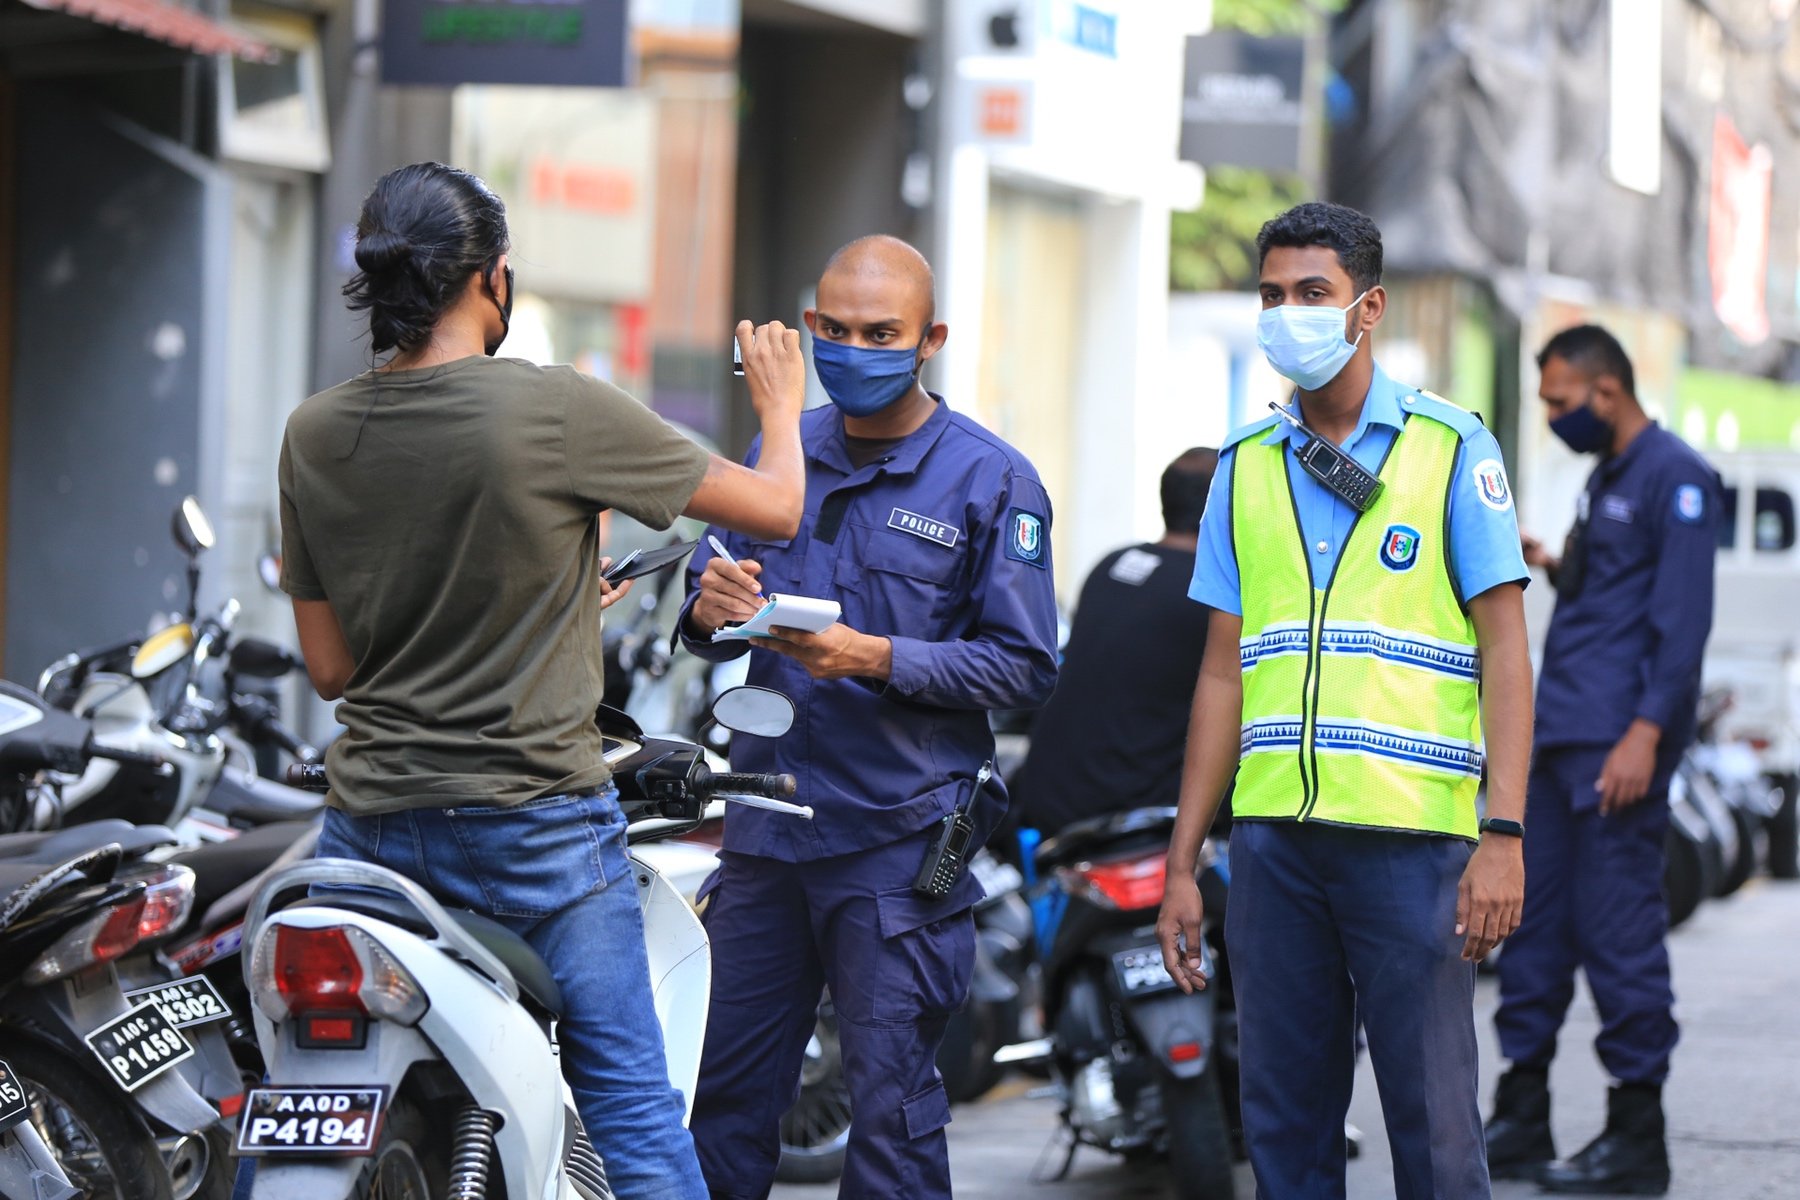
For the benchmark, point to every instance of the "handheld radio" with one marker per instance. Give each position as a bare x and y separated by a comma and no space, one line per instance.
950,849
1342,475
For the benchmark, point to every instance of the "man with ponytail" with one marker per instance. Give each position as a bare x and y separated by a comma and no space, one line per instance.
439,518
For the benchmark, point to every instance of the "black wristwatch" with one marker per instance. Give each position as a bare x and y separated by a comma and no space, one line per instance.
1502,826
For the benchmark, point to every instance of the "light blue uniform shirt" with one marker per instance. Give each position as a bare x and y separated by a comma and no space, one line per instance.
1484,528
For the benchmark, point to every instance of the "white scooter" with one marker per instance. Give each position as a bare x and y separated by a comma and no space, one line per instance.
411,1050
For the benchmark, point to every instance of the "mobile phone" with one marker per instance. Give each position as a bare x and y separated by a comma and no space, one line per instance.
737,359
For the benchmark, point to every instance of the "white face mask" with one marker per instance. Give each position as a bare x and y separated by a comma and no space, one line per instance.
1305,342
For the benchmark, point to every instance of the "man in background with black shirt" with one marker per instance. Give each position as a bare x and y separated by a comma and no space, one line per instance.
1112,736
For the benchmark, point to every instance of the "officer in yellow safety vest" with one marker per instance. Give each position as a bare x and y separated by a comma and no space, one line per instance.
1361,556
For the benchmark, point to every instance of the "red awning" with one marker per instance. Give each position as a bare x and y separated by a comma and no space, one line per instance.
165,21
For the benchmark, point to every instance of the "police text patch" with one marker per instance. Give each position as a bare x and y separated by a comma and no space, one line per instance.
1025,537
925,527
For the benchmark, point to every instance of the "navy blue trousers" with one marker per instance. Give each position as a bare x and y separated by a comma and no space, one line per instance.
1327,927
1593,899
897,965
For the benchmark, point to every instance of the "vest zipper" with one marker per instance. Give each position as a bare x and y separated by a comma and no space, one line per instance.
1309,707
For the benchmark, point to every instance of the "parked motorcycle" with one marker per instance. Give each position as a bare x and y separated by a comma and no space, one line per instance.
375,1010
97,1069
1143,1068
188,695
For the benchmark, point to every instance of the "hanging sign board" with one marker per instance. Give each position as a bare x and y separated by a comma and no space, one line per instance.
1241,101
571,43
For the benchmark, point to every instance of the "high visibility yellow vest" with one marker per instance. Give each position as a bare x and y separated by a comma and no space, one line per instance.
1362,698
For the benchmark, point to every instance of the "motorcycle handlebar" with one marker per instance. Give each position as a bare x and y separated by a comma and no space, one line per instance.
130,757
309,777
290,741
746,784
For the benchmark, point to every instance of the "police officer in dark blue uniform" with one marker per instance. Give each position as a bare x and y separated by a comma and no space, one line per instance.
1616,707
933,534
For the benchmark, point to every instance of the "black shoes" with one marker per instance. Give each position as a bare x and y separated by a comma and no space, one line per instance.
1519,1145
1629,1158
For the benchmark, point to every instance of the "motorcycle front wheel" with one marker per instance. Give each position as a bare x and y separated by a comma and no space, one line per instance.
104,1148
1199,1138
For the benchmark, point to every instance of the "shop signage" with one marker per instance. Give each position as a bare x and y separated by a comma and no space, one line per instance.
578,43
1241,101
577,167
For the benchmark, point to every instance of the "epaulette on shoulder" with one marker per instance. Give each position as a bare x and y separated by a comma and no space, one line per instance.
1249,431
1430,404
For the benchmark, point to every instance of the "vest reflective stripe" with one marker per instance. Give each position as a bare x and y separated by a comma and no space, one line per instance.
1361,699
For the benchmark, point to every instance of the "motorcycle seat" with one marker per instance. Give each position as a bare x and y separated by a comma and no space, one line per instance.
221,866
1109,832
60,845
532,973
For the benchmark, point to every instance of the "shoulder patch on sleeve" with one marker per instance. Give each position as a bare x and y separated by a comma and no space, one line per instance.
1025,537
1430,404
1491,484
1248,431
1690,503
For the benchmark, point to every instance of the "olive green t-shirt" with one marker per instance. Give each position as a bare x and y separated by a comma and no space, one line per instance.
449,516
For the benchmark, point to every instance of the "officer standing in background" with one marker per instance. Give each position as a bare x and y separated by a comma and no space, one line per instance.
1362,640
1111,737
1617,706
934,536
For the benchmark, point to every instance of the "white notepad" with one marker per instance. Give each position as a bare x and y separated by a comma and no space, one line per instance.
785,612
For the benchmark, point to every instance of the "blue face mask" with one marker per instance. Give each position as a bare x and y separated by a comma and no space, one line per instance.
862,380
1305,342
1582,430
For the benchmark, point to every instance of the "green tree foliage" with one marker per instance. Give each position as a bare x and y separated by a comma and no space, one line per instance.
1213,248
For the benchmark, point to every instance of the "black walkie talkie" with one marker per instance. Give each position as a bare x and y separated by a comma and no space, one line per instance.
1342,475
950,849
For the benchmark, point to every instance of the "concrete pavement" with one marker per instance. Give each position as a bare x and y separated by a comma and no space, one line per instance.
1733,1103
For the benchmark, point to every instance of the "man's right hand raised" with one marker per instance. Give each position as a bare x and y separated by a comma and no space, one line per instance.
774,369
1178,931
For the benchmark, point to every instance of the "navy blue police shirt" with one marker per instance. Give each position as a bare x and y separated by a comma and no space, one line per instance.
1628,643
942,545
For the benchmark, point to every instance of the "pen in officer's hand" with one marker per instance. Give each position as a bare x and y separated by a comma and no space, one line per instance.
719,549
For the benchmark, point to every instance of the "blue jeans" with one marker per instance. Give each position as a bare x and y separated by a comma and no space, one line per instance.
555,872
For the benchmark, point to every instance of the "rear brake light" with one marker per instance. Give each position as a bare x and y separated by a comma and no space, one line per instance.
168,899
1185,1052
1130,884
106,935
337,969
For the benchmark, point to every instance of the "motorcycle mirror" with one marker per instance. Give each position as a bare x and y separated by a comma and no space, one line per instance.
193,532
260,659
755,711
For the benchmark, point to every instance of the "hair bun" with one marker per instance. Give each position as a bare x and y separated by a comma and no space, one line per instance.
382,250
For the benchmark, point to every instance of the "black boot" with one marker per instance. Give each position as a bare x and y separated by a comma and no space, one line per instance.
1629,1158
1519,1145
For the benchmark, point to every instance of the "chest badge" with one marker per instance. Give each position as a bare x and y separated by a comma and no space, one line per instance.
1025,537
924,527
1399,547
